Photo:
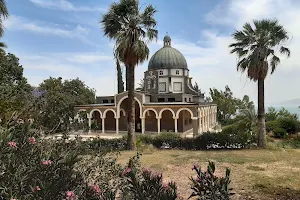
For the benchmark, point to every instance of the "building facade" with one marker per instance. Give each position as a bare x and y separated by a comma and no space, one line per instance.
168,101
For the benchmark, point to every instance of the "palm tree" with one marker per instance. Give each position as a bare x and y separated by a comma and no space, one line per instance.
131,29
2,46
3,14
255,48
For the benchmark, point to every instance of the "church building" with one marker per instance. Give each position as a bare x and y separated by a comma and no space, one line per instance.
168,101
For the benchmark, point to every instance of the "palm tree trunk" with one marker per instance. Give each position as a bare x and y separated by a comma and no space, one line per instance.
131,145
120,78
126,74
261,115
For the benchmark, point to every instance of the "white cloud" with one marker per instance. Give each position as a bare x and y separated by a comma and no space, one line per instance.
64,5
22,24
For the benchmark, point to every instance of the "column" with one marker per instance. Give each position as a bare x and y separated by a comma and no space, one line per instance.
205,122
195,126
200,124
103,124
143,125
90,124
158,124
117,125
175,124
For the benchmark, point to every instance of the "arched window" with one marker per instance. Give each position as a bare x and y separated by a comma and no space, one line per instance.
177,72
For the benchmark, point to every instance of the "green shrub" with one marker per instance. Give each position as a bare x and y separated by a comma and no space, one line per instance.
230,137
280,133
209,186
271,125
290,125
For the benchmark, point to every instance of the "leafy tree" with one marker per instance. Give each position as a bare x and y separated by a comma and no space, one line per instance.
245,103
55,107
120,77
273,114
131,29
255,48
227,104
14,89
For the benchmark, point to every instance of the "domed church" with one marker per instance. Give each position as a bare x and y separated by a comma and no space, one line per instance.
168,101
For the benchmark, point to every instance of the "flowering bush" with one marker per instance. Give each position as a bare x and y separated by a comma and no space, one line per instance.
145,184
31,168
206,185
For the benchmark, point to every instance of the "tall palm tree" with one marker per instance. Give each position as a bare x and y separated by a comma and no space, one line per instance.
131,29
3,15
255,48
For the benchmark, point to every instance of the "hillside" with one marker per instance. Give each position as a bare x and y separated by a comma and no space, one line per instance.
291,102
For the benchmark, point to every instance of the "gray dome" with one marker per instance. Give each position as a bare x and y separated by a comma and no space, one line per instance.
167,58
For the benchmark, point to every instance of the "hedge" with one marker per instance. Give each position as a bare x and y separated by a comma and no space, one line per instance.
230,138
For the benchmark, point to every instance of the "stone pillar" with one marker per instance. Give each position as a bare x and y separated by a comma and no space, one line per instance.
158,124
175,124
117,125
200,124
195,126
103,124
90,124
143,125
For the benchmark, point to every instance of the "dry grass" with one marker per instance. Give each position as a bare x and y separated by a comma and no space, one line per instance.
255,174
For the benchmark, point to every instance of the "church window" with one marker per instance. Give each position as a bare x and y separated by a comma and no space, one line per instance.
185,99
177,72
171,99
161,99
161,72
177,87
190,100
162,87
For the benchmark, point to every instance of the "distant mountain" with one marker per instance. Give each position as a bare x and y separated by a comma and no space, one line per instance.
291,102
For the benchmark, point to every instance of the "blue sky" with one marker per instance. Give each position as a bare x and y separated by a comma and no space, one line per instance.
63,38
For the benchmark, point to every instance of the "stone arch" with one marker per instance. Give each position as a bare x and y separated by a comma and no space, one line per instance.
148,109
109,109
125,97
162,110
123,112
178,112
167,122
92,111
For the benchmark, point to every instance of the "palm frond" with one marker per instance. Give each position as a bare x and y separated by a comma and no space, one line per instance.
284,50
3,9
274,63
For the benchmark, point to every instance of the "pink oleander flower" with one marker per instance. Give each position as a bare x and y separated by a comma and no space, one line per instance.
47,162
155,175
146,170
96,189
71,195
126,171
32,140
166,186
12,144
37,188
196,179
